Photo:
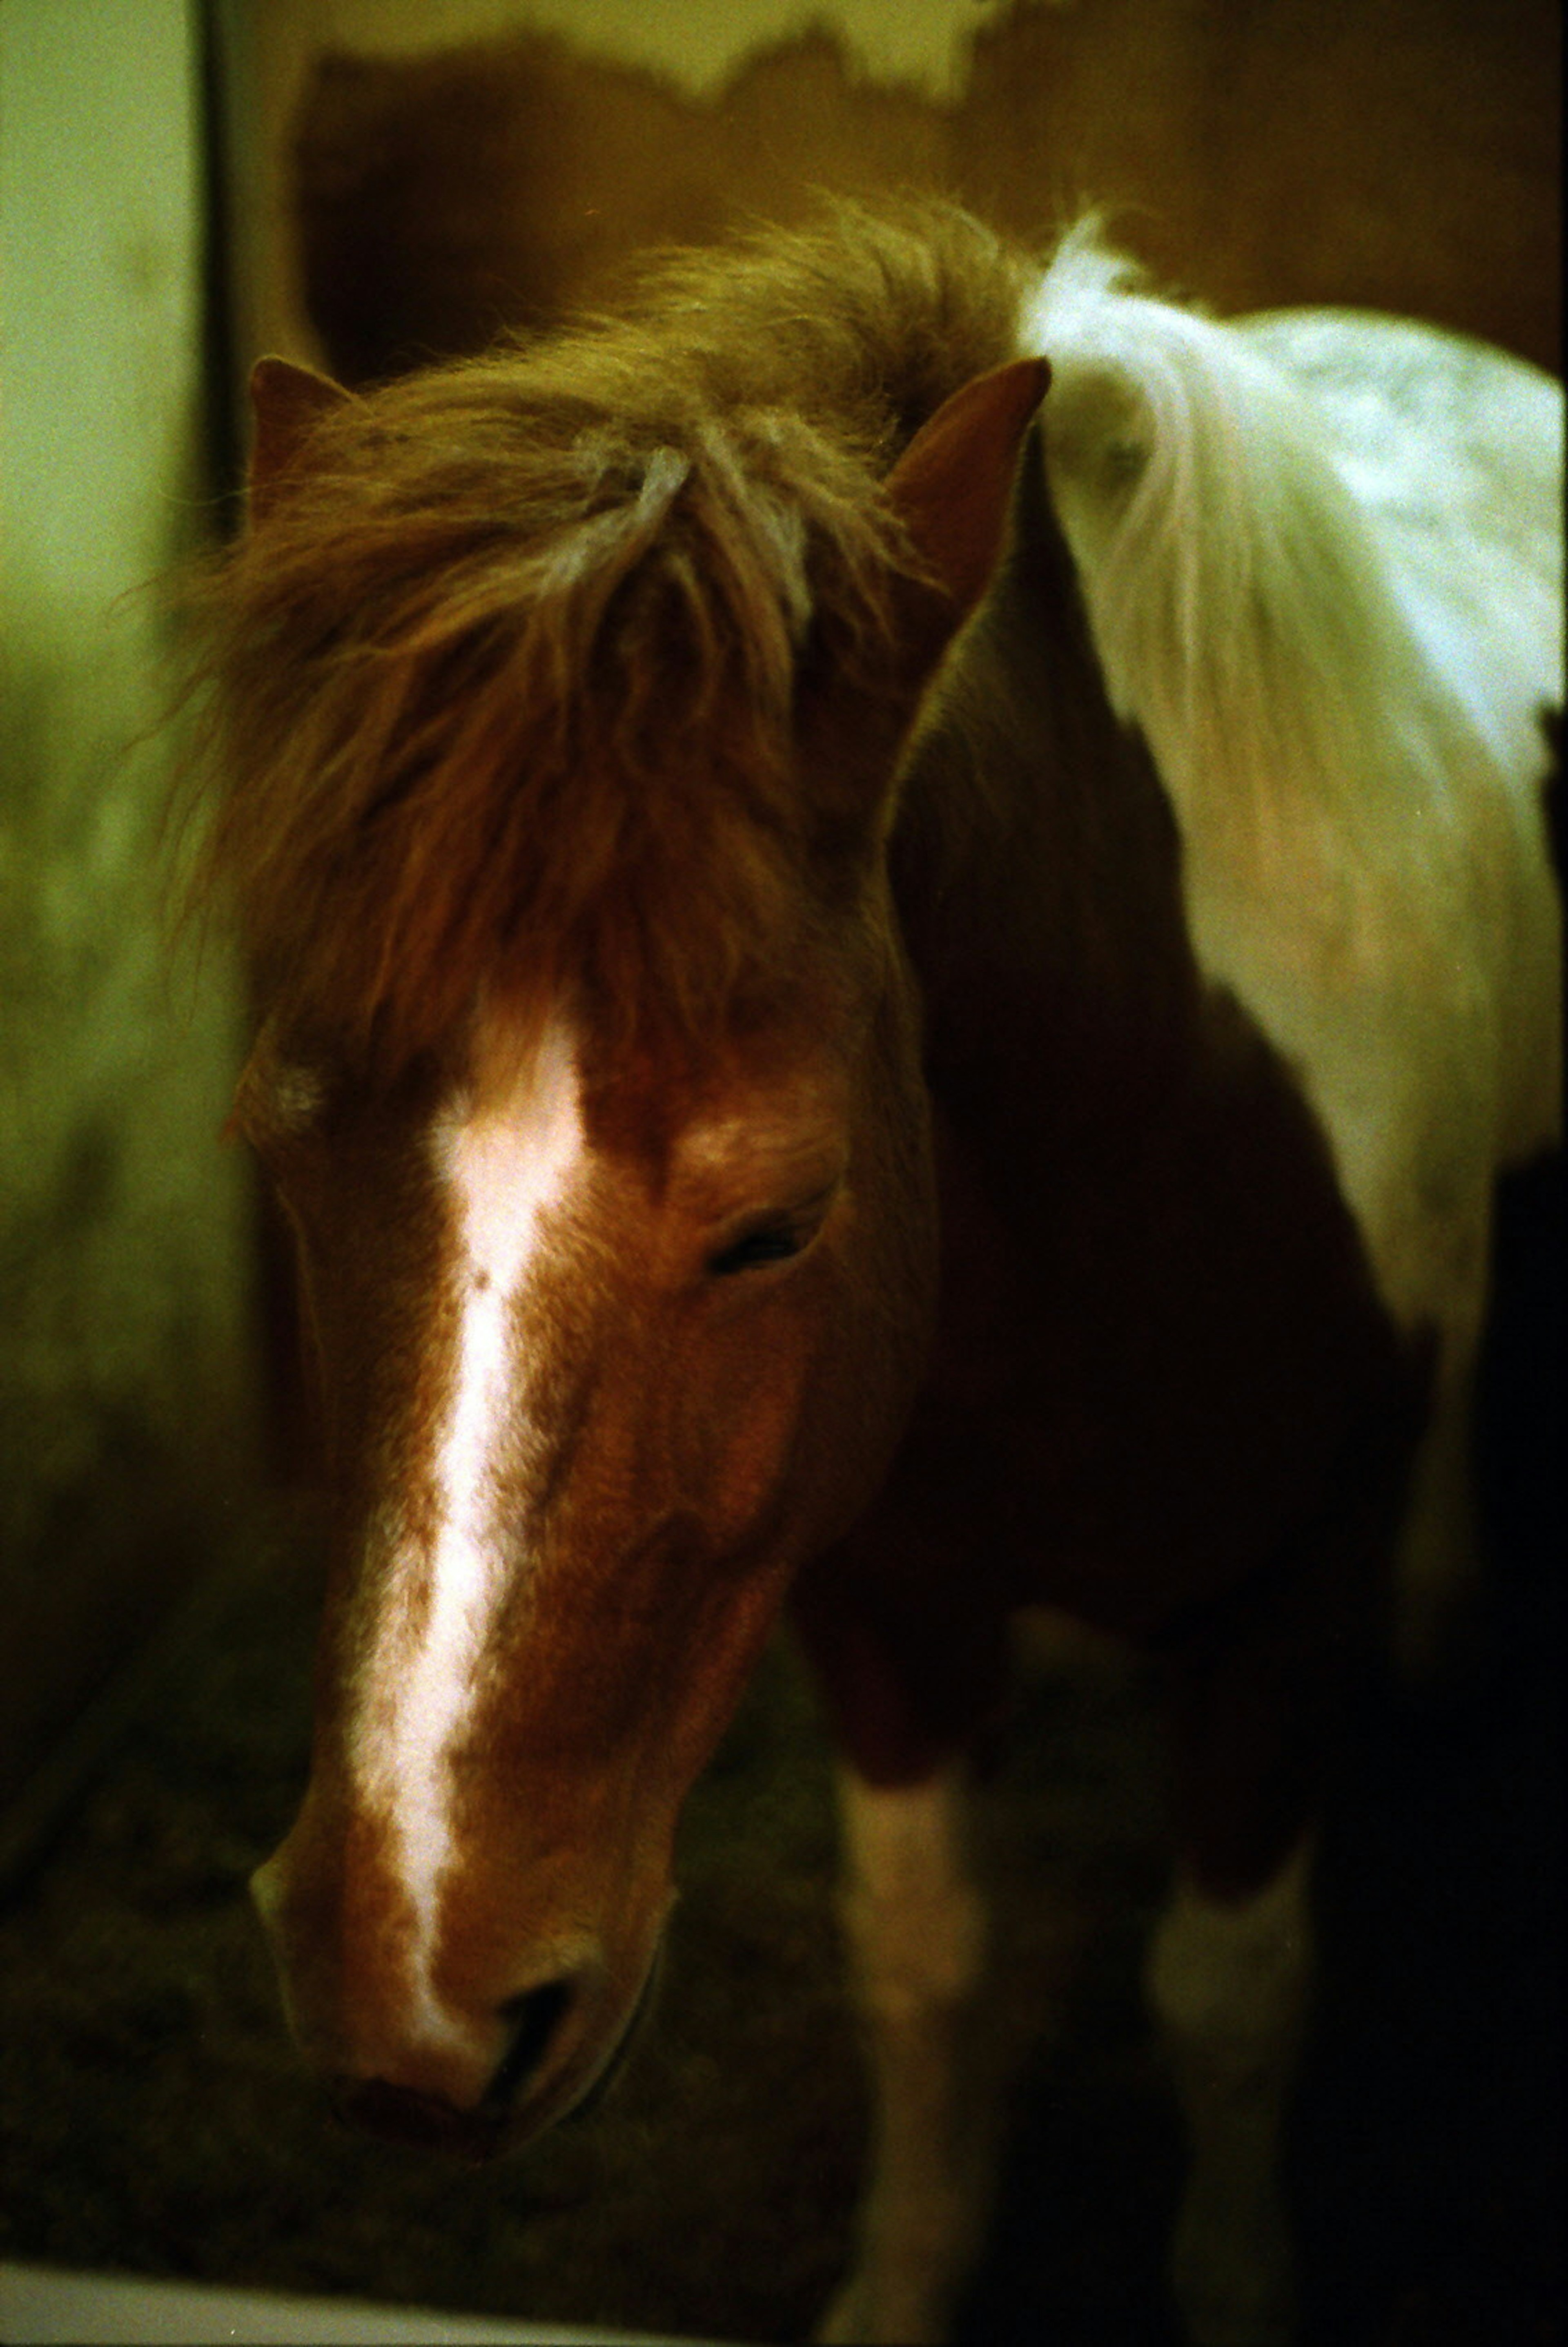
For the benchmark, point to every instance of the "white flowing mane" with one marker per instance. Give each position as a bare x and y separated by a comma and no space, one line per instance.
1322,558
1256,614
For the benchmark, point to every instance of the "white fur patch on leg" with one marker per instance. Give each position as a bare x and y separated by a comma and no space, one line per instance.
916,1932
913,1918
1228,1980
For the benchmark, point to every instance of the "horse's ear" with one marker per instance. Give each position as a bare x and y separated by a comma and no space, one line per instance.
286,400
953,490
954,483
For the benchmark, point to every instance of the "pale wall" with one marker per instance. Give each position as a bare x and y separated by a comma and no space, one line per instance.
124,1228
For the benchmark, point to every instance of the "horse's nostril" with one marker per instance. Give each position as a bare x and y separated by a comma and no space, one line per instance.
534,2017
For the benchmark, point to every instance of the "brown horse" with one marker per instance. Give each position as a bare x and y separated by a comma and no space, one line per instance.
886,985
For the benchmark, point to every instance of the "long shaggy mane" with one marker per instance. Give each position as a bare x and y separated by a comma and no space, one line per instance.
502,687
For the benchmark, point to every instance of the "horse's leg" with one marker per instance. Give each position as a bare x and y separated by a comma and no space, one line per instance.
916,1931
1229,1980
1261,1692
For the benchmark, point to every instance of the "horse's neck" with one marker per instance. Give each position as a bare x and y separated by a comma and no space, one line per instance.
1038,870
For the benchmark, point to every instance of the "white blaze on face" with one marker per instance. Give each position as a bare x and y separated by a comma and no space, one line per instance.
503,1167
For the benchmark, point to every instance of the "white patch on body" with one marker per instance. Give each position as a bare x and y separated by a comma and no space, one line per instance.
503,1165
1321,555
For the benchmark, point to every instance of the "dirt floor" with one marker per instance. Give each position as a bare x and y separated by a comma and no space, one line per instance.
152,2119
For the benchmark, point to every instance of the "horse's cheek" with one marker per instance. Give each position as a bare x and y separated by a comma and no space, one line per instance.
737,1425
856,1389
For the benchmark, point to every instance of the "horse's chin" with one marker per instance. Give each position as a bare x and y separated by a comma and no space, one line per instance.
424,2122
608,2073
595,2089
421,2122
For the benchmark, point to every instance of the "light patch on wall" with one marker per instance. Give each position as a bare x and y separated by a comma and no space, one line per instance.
696,46
124,1229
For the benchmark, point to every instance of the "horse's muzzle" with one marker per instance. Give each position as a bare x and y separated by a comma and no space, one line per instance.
506,2116
412,2115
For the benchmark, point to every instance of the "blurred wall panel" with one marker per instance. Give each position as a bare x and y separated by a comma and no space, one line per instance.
124,1227
431,170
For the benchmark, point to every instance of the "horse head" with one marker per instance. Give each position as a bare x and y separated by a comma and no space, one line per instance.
617,1319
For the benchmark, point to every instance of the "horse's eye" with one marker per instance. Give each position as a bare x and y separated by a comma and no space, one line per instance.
768,1243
